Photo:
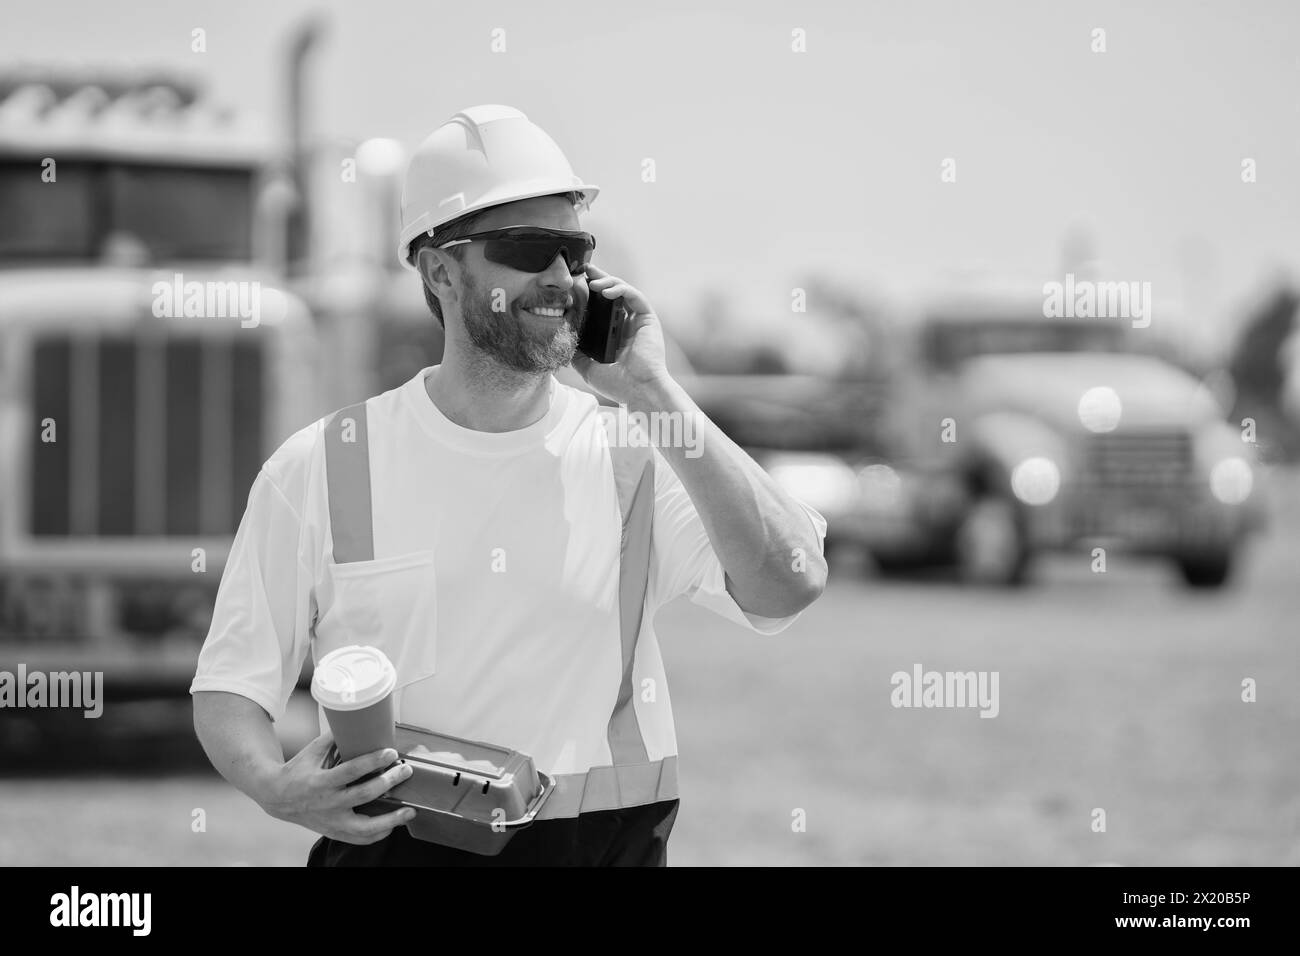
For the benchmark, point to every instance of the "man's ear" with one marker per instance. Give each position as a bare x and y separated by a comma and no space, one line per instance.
433,267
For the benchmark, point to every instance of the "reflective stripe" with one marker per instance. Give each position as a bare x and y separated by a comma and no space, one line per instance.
611,788
635,481
347,478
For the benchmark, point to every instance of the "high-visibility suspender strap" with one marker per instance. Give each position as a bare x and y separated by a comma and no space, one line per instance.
611,788
347,479
635,482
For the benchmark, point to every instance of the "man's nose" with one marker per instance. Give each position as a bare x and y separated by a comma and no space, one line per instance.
557,273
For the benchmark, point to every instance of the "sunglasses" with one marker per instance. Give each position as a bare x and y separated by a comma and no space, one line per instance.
533,248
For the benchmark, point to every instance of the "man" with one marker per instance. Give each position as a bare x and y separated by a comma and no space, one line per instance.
488,561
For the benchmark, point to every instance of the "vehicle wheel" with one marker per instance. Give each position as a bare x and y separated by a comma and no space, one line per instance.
886,565
838,553
990,544
1206,570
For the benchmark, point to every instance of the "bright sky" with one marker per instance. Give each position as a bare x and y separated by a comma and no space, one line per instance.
771,163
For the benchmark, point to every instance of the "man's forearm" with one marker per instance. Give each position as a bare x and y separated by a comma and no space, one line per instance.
765,541
239,738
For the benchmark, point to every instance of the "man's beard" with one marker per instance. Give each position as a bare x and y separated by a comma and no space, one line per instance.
515,342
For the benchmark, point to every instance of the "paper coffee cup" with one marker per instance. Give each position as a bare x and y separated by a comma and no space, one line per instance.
355,686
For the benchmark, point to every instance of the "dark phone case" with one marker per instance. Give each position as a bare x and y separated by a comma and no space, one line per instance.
602,328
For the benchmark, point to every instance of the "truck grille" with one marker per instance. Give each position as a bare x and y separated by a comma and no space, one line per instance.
153,435
1155,459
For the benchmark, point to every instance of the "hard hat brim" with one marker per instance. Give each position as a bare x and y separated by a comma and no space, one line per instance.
496,198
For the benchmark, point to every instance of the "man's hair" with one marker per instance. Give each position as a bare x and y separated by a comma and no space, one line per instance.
456,229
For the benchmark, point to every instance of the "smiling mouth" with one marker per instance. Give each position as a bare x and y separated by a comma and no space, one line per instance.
547,313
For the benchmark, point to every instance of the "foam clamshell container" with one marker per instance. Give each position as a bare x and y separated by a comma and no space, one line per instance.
467,794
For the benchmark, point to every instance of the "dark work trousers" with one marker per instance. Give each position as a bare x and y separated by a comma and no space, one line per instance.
636,836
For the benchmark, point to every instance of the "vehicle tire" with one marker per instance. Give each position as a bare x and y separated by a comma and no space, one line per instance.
885,565
1210,570
837,552
991,544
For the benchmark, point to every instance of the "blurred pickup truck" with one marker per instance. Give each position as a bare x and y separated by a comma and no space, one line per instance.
1010,434
806,431
812,434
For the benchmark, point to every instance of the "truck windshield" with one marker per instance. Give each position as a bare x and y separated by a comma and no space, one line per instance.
947,343
175,212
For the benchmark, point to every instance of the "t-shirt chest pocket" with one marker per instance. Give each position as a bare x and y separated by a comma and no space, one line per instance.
389,603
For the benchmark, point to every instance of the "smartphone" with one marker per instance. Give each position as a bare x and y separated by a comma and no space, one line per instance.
603,328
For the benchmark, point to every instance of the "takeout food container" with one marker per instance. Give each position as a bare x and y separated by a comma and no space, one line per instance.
467,794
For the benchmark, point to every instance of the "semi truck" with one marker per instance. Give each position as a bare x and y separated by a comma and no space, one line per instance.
133,420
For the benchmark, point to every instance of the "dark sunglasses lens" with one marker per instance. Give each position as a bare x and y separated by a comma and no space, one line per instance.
536,255
579,255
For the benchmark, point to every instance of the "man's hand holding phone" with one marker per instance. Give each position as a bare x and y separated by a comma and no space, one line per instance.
639,363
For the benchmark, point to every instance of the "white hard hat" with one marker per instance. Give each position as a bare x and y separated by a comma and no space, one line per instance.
483,156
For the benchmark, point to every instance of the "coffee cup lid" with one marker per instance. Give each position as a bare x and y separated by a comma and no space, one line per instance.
353,677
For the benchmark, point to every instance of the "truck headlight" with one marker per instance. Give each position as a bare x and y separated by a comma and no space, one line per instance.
880,487
1231,480
822,481
1035,481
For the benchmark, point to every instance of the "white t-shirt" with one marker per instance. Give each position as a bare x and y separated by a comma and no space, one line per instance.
502,548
